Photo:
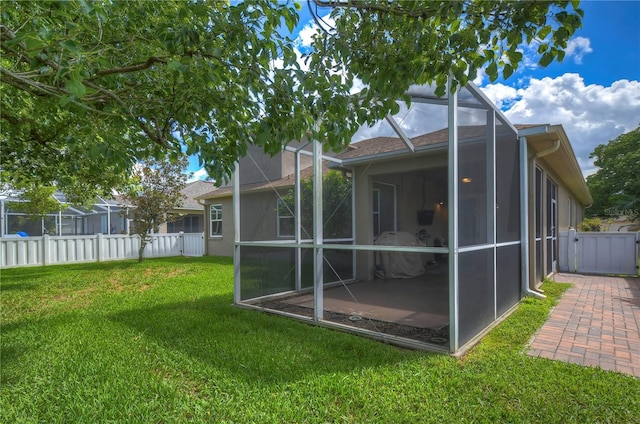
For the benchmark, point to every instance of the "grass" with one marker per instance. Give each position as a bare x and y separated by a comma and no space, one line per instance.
160,342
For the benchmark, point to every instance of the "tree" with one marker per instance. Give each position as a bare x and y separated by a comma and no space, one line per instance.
336,205
94,86
157,192
44,144
615,187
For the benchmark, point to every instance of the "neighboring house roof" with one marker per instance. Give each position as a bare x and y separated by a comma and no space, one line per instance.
192,191
284,182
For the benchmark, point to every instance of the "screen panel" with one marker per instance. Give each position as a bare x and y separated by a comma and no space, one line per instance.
507,186
475,293
475,185
266,271
507,277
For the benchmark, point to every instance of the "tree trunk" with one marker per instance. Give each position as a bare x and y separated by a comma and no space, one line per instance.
143,244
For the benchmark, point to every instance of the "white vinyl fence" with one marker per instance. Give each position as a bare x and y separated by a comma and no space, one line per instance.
599,252
48,250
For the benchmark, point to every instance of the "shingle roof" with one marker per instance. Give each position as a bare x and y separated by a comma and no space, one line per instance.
192,191
381,145
275,184
365,149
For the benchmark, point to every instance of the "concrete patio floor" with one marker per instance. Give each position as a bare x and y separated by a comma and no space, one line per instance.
419,302
596,323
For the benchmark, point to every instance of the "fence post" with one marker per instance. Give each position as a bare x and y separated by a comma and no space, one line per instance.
100,247
181,235
571,250
45,249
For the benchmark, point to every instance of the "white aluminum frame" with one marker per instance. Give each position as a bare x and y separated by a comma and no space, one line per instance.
318,243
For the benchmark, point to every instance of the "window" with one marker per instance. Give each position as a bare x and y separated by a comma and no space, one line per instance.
285,220
216,220
186,224
384,208
376,212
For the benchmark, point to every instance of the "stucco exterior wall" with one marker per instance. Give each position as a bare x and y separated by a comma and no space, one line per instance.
258,221
410,175
267,166
219,245
258,216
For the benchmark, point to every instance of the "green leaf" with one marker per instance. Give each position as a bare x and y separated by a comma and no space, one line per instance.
507,71
76,88
489,54
87,7
492,71
395,108
71,45
542,34
546,59
543,48
174,65
33,46
514,57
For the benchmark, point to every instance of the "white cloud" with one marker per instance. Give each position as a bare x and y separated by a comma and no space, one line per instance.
279,63
200,174
305,36
500,94
590,114
577,48
479,79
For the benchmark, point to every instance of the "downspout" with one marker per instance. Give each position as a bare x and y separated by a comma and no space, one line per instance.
525,162
548,151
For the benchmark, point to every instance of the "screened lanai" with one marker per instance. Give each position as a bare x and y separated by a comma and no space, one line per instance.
412,235
105,216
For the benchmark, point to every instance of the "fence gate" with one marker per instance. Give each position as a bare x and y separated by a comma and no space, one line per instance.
193,244
600,252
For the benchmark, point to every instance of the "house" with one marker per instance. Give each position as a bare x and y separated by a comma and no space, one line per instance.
103,217
453,218
189,217
106,216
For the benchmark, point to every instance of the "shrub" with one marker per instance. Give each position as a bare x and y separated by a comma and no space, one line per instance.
590,224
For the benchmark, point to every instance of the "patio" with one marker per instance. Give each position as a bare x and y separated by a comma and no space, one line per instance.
596,323
412,308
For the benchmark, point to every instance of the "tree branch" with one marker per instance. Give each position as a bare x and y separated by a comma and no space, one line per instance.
399,11
133,68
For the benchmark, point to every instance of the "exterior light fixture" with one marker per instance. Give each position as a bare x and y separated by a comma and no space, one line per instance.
466,180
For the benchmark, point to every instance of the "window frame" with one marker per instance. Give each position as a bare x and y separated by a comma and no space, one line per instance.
217,208
280,217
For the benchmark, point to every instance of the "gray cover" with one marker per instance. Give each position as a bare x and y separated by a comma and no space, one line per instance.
398,264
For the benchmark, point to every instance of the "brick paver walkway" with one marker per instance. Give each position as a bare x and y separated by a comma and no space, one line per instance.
596,323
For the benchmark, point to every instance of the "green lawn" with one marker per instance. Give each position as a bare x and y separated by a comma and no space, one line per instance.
160,342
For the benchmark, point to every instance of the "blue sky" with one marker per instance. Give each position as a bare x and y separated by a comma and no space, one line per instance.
594,93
